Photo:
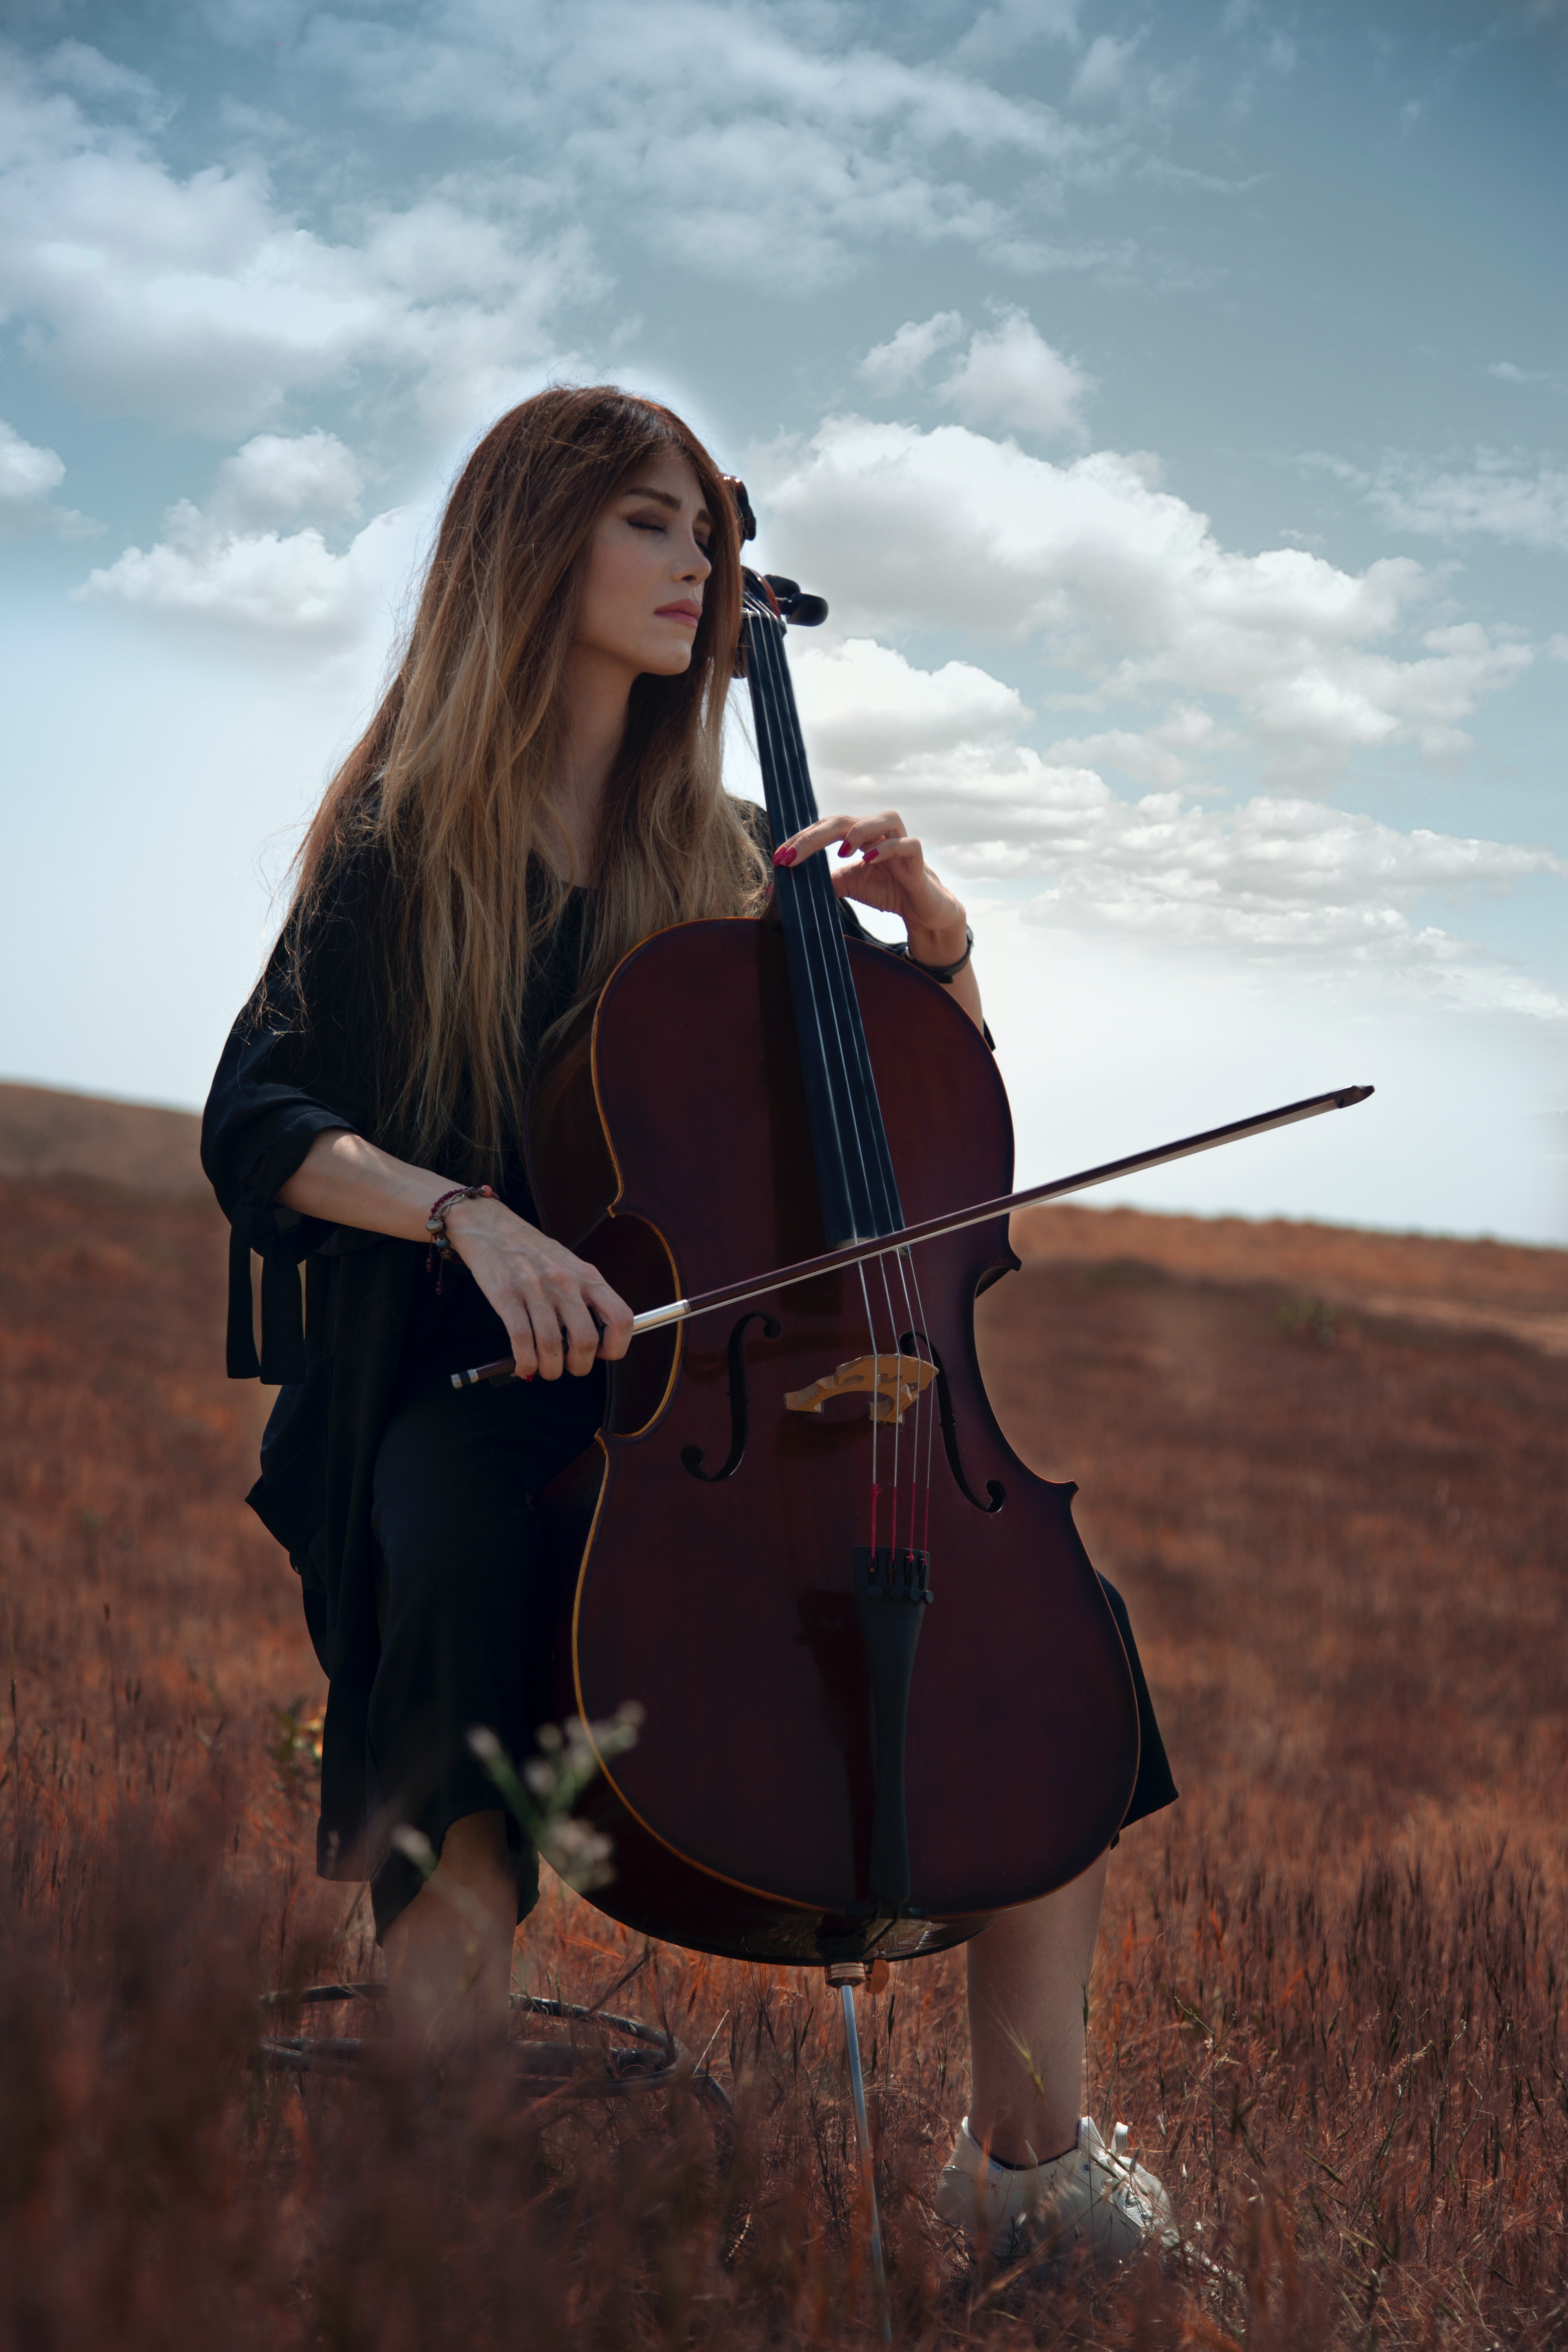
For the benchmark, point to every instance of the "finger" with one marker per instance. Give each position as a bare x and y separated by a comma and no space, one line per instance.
509,1296
892,845
614,1318
871,835
815,837
520,1333
580,1333
545,1329
896,878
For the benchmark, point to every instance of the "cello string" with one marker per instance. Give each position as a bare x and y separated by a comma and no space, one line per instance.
854,1159
862,1111
871,1335
811,968
764,635
780,781
814,904
931,1420
893,1336
914,1322
836,1008
849,1033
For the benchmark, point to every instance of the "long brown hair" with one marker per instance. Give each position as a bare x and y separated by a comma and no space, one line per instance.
448,786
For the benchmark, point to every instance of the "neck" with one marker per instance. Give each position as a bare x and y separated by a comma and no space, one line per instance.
595,691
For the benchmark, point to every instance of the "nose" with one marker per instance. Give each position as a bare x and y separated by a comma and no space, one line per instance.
697,564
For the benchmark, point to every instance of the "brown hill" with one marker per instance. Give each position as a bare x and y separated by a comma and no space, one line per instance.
47,1132
1460,1285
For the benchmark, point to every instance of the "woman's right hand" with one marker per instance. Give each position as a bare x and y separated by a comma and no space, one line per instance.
559,1311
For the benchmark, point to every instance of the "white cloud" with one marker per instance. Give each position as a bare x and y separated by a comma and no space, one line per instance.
204,300
29,475
1507,373
230,562
905,357
1496,497
286,587
1103,73
871,711
1124,582
1277,876
1497,500
1112,76
275,476
1286,877
1011,377
650,111
1159,756
72,65
613,61
1000,32
201,303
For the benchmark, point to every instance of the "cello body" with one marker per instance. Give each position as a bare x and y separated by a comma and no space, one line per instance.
702,1550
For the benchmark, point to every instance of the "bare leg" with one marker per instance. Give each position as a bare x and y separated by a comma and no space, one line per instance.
448,1955
1028,1985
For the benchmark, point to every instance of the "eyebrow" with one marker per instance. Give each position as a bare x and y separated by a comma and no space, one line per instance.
663,499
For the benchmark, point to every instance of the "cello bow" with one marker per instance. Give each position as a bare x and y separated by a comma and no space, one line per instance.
734,1294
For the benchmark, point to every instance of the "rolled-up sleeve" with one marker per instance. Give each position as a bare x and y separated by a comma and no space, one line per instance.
291,1071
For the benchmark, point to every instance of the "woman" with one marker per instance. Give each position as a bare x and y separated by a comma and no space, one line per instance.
540,789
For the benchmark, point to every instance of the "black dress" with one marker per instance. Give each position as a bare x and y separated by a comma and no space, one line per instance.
404,1507
364,1468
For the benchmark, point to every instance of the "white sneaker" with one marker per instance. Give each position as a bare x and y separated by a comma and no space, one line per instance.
1094,2196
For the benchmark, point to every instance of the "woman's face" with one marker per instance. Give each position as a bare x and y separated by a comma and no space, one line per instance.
647,565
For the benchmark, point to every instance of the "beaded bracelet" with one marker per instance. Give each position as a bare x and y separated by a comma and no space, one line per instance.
946,973
435,1226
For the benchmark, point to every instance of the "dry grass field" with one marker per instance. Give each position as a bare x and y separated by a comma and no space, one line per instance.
1327,1470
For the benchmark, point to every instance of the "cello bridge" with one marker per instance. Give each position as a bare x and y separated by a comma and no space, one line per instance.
892,1382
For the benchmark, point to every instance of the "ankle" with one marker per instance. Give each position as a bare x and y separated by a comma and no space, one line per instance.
1018,2151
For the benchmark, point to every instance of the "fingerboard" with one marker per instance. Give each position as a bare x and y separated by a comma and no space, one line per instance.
854,1169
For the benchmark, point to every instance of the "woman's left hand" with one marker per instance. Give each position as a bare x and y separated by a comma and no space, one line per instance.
892,874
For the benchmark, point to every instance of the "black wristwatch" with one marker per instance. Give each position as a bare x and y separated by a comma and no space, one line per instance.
946,973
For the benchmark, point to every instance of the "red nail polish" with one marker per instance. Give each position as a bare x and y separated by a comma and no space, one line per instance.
785,856
866,860
845,849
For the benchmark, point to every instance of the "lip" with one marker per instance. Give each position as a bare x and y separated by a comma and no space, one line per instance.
689,613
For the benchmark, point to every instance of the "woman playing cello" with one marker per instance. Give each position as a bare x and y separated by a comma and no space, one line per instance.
540,789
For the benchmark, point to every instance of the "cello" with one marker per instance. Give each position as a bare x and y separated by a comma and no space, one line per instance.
773,1510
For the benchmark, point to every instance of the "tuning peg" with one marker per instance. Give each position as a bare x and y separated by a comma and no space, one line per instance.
785,595
748,520
800,612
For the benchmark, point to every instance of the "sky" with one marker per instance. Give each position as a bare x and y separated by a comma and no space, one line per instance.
1171,404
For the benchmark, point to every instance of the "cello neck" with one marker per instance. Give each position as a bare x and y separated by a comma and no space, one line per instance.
859,1191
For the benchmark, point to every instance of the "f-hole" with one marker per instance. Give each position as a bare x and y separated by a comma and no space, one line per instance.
740,1404
914,1341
